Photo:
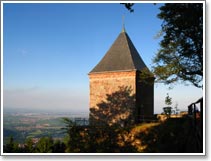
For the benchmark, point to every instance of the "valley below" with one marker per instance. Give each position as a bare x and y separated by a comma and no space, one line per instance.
24,125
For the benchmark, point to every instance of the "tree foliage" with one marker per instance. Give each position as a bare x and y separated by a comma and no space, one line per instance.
128,6
146,76
168,100
173,135
11,146
168,110
29,145
45,145
180,57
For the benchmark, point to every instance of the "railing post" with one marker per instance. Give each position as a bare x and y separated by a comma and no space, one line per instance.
194,115
201,118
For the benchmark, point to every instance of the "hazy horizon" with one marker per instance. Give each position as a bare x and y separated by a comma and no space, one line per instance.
45,110
53,47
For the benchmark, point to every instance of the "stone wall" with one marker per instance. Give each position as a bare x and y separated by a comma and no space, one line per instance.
106,88
120,97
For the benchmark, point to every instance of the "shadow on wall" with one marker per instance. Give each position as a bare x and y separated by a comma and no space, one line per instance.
118,109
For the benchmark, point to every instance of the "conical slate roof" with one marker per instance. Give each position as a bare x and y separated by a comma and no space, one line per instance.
121,56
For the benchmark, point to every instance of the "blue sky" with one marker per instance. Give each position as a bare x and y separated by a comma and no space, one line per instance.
50,48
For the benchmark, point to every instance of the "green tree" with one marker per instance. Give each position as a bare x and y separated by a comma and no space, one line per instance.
168,110
58,147
146,76
128,6
29,145
11,146
168,100
180,57
95,139
45,145
77,139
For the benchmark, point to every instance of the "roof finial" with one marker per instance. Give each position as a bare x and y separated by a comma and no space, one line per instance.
123,23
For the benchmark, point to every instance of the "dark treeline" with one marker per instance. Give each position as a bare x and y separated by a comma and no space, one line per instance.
178,135
44,145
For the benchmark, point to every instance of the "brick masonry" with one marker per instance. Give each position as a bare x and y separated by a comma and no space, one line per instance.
107,83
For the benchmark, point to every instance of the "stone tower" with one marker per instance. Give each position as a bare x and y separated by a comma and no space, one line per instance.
121,86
